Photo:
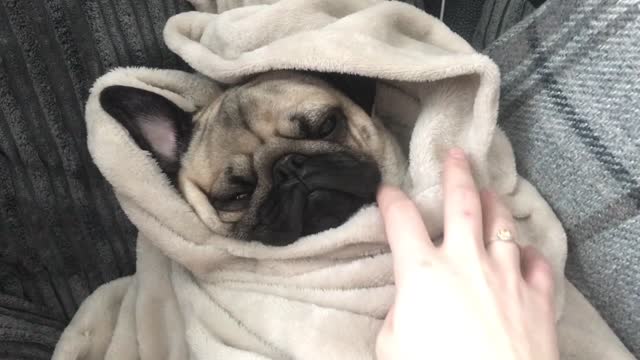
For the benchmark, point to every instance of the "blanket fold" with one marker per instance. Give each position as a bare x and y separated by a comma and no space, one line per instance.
199,295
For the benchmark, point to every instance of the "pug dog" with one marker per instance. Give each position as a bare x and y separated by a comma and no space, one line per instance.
283,155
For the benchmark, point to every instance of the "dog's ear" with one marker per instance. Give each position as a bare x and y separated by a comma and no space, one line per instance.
154,122
360,89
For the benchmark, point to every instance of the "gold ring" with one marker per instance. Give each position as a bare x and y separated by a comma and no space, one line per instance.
504,235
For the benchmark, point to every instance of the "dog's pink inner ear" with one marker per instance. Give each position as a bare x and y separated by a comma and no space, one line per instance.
161,135
154,122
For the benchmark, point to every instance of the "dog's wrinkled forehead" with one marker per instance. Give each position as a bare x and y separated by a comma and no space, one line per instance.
271,105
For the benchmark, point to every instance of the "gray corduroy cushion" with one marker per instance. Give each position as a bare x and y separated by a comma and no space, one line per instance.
570,105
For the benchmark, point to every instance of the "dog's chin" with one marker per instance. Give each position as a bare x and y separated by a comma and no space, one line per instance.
328,209
324,193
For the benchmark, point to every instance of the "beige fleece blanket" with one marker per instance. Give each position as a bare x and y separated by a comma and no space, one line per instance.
197,295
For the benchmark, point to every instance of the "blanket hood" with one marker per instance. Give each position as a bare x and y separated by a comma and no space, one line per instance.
197,294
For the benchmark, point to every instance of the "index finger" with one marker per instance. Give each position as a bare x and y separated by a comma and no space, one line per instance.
462,208
406,233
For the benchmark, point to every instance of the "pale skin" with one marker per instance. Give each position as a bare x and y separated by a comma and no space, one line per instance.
473,296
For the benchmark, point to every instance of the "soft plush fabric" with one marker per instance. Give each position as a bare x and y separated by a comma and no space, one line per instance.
571,106
53,50
199,295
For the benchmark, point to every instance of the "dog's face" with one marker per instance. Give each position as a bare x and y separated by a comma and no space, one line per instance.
282,156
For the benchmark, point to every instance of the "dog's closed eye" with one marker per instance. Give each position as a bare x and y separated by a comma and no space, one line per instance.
331,122
233,202
235,197
320,125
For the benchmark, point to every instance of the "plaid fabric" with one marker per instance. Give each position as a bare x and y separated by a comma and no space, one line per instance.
62,234
496,17
461,16
571,106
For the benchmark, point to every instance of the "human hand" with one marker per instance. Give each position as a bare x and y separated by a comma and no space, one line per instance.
476,296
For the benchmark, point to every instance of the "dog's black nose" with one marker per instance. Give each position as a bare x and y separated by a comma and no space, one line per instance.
288,167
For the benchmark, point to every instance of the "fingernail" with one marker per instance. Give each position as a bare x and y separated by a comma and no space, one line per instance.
457,153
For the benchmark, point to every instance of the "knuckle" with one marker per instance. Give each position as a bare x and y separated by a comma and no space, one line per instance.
508,254
461,189
542,275
513,250
467,200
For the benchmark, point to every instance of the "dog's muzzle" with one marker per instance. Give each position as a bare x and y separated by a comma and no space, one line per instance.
314,193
